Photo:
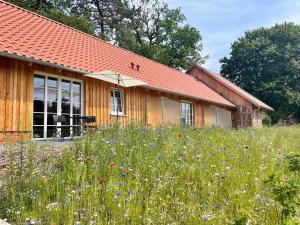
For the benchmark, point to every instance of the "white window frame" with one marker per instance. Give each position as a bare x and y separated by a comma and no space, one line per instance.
115,102
188,121
59,79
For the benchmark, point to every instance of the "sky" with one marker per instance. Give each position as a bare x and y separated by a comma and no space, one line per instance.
221,22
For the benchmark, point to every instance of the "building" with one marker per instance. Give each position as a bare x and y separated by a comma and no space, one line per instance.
48,69
249,111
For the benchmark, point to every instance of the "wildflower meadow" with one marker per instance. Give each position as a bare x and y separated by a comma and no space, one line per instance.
179,175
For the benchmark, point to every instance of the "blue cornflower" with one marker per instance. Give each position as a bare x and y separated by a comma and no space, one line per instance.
123,175
118,195
217,206
120,184
206,203
193,193
129,192
126,200
84,210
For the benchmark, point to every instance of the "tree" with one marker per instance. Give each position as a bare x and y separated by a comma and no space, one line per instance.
59,10
266,63
159,33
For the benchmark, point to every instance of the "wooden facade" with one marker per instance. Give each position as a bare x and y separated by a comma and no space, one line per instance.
246,114
142,106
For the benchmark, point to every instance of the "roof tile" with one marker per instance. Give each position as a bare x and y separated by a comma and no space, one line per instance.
34,36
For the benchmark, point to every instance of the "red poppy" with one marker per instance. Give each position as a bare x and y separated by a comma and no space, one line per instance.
111,165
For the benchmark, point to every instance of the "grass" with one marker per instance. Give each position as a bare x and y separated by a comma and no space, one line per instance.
159,176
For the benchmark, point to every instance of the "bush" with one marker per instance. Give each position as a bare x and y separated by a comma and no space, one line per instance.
267,121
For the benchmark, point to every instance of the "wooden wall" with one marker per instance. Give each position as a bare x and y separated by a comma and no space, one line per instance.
226,92
16,99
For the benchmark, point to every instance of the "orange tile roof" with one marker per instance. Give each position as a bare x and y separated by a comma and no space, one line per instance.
234,88
29,35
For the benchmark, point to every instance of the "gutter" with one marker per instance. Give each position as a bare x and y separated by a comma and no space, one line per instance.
40,62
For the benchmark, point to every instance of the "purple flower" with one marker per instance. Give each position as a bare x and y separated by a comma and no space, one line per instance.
206,203
129,192
126,200
122,167
118,195
120,184
217,206
205,218
123,175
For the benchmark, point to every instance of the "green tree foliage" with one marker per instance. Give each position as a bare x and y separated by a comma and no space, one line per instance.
58,10
266,63
148,27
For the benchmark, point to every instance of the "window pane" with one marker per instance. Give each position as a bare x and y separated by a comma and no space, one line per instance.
52,95
65,96
76,98
38,119
38,106
76,87
38,132
39,94
67,117
39,82
77,109
51,131
66,85
52,107
65,131
50,119
52,82
65,107
76,120
76,131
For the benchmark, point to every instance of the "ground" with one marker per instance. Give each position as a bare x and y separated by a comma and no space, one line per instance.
159,176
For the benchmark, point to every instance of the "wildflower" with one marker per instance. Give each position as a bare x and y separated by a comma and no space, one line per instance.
120,184
206,203
111,165
101,180
123,175
84,210
118,195
217,206
129,192
126,200
92,222
77,223
205,218
122,167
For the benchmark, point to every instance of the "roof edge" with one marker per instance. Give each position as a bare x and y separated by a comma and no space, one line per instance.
41,62
212,74
188,96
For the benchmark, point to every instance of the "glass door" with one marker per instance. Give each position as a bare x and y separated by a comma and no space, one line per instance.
56,97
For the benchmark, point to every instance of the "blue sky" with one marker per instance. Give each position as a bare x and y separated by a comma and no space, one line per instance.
221,22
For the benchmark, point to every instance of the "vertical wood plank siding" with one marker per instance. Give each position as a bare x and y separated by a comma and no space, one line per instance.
16,98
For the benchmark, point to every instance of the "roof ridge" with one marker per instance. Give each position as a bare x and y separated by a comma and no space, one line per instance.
94,37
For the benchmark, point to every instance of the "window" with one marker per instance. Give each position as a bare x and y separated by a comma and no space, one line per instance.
117,102
186,113
53,97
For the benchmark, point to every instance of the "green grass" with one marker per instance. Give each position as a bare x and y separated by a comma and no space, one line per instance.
159,176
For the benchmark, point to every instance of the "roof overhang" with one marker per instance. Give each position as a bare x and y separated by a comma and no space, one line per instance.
116,78
214,76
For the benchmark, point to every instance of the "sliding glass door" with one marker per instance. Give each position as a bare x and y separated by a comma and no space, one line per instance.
54,97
